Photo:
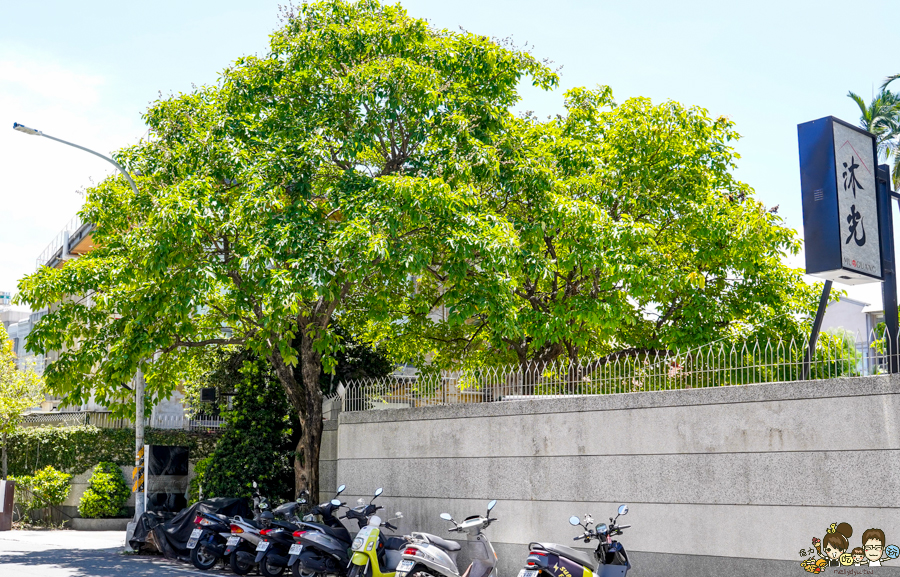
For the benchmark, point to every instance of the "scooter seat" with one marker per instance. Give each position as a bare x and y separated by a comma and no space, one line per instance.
569,553
442,543
339,533
394,543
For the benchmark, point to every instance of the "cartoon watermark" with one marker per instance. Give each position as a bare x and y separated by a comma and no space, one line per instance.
832,550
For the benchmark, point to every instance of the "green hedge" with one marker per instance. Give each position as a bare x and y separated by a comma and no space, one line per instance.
77,449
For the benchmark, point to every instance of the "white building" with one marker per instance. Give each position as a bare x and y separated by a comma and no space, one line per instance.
858,317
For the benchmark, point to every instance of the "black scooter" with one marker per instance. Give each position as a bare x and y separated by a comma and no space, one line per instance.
275,541
324,547
207,541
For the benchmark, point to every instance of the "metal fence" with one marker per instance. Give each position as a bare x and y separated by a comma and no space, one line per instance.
630,371
105,420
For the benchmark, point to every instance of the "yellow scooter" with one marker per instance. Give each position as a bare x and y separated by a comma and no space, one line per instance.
375,554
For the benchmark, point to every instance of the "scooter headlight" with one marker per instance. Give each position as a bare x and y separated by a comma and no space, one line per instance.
357,544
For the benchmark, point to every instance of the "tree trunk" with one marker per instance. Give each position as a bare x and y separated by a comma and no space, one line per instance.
306,467
306,398
5,441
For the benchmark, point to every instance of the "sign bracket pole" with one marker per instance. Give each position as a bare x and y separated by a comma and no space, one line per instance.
889,286
817,326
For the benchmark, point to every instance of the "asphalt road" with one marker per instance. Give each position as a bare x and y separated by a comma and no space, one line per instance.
81,554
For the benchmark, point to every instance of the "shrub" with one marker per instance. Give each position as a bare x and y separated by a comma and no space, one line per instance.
195,487
46,488
106,494
257,443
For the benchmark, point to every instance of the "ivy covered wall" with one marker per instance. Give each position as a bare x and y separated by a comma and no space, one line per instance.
77,449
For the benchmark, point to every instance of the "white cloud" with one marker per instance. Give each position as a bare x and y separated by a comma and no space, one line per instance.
49,81
40,179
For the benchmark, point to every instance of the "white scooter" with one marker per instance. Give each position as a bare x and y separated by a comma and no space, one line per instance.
429,555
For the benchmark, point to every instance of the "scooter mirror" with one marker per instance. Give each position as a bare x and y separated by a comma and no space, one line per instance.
336,502
255,485
341,489
446,517
379,491
491,505
574,521
623,509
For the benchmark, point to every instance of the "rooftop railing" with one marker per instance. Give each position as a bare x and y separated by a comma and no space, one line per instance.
57,245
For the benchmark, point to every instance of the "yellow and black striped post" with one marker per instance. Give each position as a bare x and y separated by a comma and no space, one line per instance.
137,476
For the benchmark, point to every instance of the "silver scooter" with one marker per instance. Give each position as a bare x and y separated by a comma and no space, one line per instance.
431,555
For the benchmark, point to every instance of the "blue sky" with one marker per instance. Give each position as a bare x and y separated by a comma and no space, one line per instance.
86,71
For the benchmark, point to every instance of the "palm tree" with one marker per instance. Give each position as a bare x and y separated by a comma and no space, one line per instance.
889,79
882,118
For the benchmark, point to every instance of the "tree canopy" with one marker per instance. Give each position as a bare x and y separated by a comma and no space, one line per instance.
19,390
633,235
321,177
368,171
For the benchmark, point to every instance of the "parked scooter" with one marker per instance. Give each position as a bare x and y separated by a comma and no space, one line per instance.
610,558
429,555
241,546
275,540
374,554
321,547
207,541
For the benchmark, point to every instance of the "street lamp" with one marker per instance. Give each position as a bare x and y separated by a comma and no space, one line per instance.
139,380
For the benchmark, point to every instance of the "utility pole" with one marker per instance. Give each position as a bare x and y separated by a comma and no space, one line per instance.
139,377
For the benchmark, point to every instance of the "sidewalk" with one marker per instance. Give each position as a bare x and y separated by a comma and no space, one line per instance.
79,554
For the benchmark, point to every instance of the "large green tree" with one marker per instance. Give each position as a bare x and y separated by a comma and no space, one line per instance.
634,237
319,178
20,388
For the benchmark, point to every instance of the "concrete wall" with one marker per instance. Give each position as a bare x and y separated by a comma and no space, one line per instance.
731,480
79,485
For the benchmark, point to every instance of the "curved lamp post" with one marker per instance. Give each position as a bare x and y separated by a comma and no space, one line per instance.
139,380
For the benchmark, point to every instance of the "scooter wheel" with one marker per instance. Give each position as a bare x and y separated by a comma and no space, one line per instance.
239,566
357,571
202,559
269,570
297,570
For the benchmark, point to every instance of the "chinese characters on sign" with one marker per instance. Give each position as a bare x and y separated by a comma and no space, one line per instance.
858,208
850,176
855,221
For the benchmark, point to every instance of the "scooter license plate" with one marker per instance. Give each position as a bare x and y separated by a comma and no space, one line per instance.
262,545
232,541
195,536
295,549
527,573
405,565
